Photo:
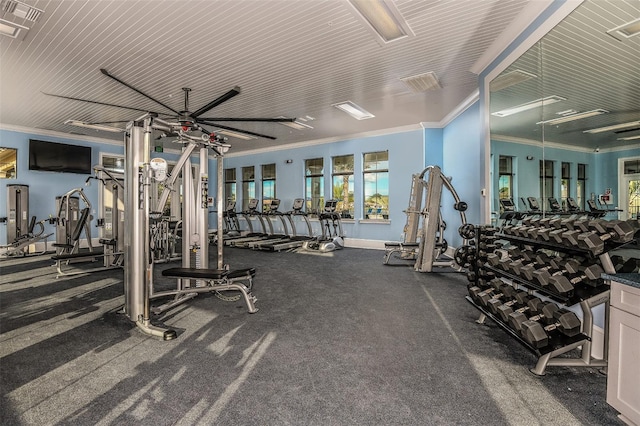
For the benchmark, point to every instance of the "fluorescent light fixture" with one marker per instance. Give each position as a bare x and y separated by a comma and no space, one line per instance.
629,138
298,124
626,31
529,105
382,18
353,110
614,127
510,79
93,126
10,29
422,82
235,134
573,117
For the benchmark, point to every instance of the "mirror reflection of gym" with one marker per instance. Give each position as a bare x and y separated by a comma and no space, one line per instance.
8,163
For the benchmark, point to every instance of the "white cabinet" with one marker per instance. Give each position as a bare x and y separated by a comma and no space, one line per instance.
623,381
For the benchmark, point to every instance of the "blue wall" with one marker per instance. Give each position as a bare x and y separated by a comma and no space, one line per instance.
45,186
462,158
406,158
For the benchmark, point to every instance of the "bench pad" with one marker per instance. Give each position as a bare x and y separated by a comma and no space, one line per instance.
205,274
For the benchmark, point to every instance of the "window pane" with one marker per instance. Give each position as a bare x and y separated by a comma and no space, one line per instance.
268,171
376,161
376,195
505,165
582,171
314,194
314,167
230,191
248,173
504,187
631,167
229,175
343,192
343,164
566,170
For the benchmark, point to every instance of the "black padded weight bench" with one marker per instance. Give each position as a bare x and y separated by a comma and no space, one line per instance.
217,280
406,251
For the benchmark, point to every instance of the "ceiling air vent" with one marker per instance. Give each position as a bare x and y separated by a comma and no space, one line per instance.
422,82
21,10
510,79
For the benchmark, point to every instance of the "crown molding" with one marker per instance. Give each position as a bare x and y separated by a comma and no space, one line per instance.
462,107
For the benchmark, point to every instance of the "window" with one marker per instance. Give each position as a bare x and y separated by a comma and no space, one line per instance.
268,185
565,181
505,177
314,185
248,186
230,184
546,181
581,185
376,185
342,185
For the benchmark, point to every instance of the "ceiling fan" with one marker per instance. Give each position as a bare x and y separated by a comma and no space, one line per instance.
187,119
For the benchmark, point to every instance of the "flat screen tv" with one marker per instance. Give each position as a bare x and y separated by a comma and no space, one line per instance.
59,157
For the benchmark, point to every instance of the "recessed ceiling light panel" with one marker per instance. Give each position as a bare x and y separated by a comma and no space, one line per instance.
13,30
94,126
422,82
626,31
529,105
382,18
629,138
233,134
354,110
573,117
614,127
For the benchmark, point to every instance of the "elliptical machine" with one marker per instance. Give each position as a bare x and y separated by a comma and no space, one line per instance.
332,237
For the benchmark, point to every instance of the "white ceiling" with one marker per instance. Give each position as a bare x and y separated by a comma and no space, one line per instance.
579,61
291,58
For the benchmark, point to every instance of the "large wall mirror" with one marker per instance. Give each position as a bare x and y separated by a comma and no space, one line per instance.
8,163
565,116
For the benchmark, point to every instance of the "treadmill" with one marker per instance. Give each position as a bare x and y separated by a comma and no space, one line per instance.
294,240
272,236
252,211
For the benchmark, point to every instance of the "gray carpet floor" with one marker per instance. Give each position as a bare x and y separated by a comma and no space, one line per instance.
340,339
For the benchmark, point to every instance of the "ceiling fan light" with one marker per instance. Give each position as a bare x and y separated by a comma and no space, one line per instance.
353,110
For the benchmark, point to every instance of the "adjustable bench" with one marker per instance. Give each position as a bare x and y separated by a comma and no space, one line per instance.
217,280
407,251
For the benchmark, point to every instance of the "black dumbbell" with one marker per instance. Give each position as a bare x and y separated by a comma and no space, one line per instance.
530,304
519,298
564,286
601,231
565,322
543,312
504,292
475,290
542,275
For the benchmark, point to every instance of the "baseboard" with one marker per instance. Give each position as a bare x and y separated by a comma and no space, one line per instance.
364,244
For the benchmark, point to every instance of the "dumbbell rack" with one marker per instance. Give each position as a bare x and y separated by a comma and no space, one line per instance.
587,297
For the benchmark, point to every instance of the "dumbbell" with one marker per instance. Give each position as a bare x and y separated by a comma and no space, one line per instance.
529,305
564,286
624,266
542,276
543,312
566,322
474,290
519,298
504,292
602,230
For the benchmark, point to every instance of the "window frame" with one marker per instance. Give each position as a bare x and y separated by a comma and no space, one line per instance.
381,212
349,182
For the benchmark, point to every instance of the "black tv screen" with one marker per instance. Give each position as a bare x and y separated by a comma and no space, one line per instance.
59,157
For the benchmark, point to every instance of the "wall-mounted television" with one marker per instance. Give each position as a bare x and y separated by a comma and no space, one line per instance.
59,157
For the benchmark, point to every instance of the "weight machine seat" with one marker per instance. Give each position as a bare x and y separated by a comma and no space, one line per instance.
112,242
208,274
393,244
87,254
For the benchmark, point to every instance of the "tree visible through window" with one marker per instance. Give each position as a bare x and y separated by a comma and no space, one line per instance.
248,186
268,185
505,177
314,185
230,184
342,184
376,185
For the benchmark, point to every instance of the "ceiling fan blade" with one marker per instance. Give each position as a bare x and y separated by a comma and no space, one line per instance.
101,103
234,129
230,94
105,72
261,120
